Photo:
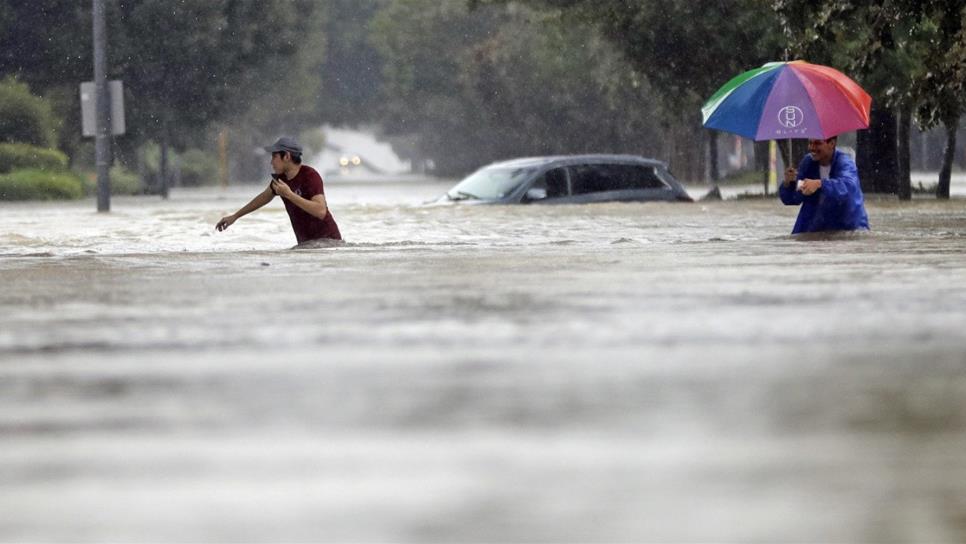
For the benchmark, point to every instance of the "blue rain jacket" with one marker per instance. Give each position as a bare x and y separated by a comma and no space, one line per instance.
837,205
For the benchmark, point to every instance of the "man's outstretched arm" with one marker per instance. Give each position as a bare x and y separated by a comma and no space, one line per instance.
260,200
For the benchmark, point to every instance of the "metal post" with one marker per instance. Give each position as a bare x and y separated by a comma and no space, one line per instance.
102,108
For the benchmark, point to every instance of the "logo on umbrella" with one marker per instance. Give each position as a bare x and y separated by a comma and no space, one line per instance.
790,116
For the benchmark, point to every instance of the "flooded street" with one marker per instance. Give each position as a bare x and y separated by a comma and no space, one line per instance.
613,372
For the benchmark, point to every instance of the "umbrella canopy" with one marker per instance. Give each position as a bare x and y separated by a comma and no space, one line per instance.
788,100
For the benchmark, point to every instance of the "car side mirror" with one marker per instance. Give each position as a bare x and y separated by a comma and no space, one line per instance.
536,194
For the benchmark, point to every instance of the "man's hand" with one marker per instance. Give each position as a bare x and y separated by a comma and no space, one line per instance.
809,186
790,174
225,222
282,189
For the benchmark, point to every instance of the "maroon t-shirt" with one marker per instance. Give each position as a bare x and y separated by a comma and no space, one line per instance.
308,183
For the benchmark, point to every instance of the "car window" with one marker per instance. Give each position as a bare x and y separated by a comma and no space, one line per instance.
553,183
595,178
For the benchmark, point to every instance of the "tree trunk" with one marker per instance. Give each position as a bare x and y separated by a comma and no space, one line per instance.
143,169
792,152
163,167
877,156
713,157
668,145
905,177
923,163
785,154
863,159
942,188
763,162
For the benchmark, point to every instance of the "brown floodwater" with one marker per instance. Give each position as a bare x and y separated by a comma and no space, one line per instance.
674,372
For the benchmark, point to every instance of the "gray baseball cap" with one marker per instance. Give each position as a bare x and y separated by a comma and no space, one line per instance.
285,144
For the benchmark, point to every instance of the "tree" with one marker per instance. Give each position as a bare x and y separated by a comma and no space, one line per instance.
351,70
855,38
202,62
510,81
907,53
685,50
942,87
24,117
185,64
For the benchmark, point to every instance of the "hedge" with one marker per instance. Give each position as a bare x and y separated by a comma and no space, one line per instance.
40,185
198,168
123,182
29,157
25,117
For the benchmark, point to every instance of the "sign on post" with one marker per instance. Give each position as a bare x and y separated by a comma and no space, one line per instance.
88,115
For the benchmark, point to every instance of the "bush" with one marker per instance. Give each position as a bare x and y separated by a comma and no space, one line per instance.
26,156
40,185
24,117
123,182
743,177
198,168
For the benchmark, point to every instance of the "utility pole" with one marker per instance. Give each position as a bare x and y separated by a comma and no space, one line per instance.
102,109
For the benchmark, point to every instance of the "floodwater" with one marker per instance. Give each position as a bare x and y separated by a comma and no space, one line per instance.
665,372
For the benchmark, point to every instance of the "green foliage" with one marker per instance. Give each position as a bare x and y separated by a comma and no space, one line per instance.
24,117
509,81
185,65
22,156
680,52
46,44
505,78
123,182
903,52
198,168
941,86
351,67
205,60
742,177
313,140
40,185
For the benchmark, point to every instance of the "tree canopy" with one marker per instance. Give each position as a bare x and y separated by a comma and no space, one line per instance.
470,81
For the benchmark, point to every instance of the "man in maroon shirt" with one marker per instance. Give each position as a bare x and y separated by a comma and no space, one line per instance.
300,187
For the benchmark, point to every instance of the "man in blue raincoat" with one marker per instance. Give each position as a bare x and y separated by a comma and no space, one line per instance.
827,187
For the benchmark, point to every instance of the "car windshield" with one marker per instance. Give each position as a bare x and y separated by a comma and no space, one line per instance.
491,183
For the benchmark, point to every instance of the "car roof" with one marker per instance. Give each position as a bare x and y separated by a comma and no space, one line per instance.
560,160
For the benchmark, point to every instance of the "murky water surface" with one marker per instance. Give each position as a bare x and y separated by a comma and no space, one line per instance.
643,372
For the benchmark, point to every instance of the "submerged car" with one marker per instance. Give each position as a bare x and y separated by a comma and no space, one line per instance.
571,179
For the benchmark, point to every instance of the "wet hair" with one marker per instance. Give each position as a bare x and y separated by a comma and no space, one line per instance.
296,157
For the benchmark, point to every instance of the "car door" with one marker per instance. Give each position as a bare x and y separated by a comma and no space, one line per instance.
551,187
609,182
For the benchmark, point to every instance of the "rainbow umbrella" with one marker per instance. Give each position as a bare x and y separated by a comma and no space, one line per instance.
788,100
